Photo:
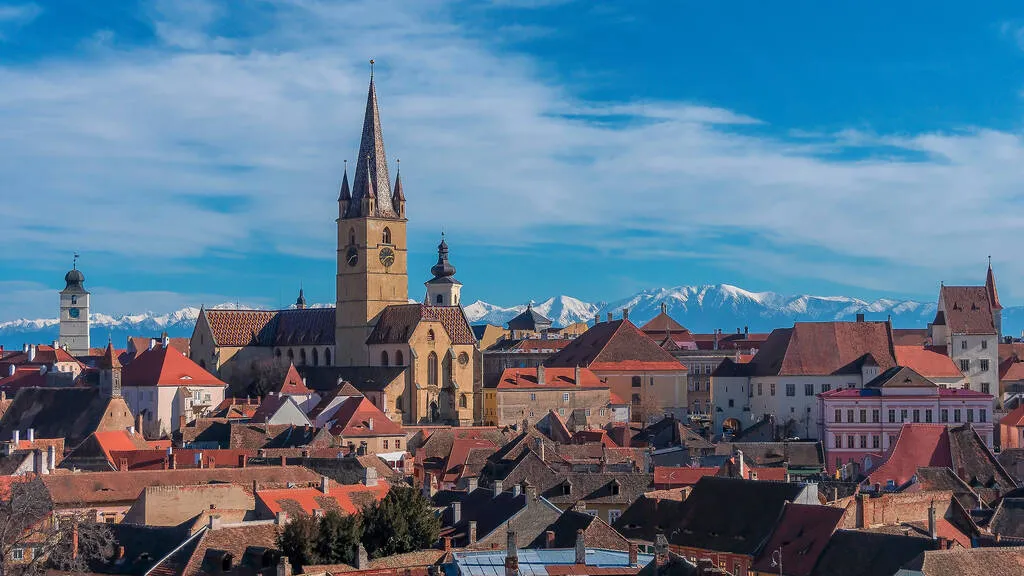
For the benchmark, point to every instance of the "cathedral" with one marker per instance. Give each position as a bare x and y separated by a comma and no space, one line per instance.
415,361
375,324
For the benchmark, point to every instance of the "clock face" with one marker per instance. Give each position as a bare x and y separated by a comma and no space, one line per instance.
352,257
387,256
73,312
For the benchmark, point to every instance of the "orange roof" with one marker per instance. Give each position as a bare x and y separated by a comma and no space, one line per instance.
638,366
927,362
167,367
680,476
554,379
357,416
293,384
118,441
917,445
1014,372
348,498
1015,418
615,400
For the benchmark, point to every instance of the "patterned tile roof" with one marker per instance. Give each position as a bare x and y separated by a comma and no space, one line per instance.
242,327
397,323
305,327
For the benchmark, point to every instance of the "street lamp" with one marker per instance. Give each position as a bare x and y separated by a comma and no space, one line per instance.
777,559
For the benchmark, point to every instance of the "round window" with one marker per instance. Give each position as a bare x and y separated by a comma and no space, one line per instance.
463,359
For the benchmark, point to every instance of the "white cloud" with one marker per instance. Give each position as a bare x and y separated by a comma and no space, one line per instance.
14,16
111,154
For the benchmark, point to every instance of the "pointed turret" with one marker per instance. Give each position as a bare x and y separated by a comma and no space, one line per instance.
398,198
300,302
443,289
372,167
345,196
990,286
109,360
110,372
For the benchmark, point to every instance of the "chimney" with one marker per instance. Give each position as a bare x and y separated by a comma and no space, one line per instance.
609,316
664,308
531,492
122,465
241,460
931,520
283,567
31,434
152,343
660,550
325,484
717,332
16,438
456,512
369,422
516,490
11,369
740,465
199,459
51,457
625,313
120,552
538,444
549,539
597,319
581,548
362,558
497,488
634,550
472,531
576,376
472,484
138,423
24,348
32,354
170,460
370,476
280,518
214,521
511,555
860,317
746,331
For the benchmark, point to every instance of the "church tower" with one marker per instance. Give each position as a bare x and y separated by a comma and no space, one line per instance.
372,255
74,313
443,289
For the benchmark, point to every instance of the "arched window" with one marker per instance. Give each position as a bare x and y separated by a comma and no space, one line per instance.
430,335
383,357
302,356
316,357
351,237
291,354
432,369
446,370
439,299
463,401
327,356
74,299
399,359
387,235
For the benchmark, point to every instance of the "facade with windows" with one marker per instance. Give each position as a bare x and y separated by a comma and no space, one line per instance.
859,425
529,393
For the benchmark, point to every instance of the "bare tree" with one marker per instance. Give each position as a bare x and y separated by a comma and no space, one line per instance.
34,537
265,375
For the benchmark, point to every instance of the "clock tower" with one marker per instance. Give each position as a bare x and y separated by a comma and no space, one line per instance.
74,313
372,255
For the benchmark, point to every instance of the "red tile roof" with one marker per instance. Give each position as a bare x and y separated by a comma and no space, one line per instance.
662,323
927,362
822,348
293,384
1013,372
1014,418
397,323
167,367
801,535
676,476
241,327
554,379
23,377
348,498
44,355
917,445
140,344
594,436
154,459
358,417
616,345
967,310
118,441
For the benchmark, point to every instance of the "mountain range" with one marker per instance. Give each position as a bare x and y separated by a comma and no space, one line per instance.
699,308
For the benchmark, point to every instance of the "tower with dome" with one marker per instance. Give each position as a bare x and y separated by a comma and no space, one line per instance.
74,312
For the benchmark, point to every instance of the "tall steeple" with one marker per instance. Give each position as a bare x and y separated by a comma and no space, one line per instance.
990,286
372,166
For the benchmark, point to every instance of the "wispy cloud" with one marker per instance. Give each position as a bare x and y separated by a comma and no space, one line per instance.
112,153
14,16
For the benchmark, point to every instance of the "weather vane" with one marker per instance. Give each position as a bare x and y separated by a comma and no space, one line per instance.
371,68
74,262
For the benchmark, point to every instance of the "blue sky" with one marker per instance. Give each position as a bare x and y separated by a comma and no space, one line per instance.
191,150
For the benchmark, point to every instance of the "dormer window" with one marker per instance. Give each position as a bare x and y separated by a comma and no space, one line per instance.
614,487
566,488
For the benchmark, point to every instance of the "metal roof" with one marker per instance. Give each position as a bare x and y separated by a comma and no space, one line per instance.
533,562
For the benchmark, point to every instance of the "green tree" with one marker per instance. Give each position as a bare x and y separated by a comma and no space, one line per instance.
298,541
403,521
330,539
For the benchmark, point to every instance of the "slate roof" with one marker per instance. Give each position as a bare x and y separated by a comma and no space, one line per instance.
529,320
371,178
305,327
858,553
595,488
968,310
899,377
824,348
1008,519
801,534
797,454
166,367
397,323
732,515
615,344
597,533
649,516
491,512
368,378
69,413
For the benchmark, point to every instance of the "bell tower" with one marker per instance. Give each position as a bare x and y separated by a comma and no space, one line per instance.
372,254
74,312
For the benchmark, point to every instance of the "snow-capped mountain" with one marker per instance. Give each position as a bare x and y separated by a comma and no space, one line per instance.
699,308
562,310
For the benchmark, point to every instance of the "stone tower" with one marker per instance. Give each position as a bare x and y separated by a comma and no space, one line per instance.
443,289
74,313
110,372
372,254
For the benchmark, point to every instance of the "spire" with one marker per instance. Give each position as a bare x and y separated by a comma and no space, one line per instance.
371,176
346,194
443,268
399,195
300,302
109,360
990,286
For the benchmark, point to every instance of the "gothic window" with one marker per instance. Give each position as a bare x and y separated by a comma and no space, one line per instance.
399,359
446,369
327,356
302,356
463,401
291,354
430,335
387,236
432,368
316,357
383,357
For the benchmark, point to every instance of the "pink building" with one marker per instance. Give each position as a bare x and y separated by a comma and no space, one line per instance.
859,425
